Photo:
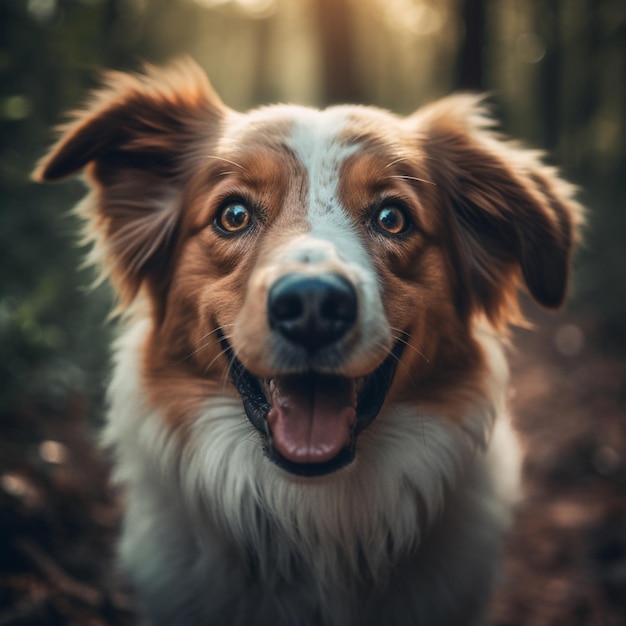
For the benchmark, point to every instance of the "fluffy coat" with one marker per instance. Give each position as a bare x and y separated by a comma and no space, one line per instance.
408,532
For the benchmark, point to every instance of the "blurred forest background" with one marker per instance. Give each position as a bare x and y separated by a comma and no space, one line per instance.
556,72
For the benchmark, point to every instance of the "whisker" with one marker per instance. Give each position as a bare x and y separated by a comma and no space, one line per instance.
219,158
204,345
251,437
400,337
397,358
215,330
217,356
227,374
404,367
421,180
398,160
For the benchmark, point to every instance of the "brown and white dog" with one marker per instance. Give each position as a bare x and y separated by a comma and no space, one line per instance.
308,403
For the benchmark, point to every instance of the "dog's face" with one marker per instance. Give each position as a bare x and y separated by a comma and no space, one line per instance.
318,263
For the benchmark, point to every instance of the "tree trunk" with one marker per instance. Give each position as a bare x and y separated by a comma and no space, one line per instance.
339,81
550,83
470,70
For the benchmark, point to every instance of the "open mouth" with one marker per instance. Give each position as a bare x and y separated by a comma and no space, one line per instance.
310,421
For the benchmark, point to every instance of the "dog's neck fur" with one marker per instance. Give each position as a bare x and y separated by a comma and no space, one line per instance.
339,534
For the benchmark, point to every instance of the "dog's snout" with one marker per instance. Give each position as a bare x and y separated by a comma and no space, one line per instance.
312,311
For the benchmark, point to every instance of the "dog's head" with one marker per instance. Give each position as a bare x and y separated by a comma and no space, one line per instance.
320,263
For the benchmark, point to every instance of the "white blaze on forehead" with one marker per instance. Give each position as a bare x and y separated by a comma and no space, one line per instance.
316,140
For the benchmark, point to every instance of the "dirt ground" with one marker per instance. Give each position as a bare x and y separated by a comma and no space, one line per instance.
565,558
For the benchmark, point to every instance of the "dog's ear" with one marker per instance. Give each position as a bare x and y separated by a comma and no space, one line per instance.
136,138
511,216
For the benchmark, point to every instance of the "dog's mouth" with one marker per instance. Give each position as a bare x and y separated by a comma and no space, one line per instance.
310,421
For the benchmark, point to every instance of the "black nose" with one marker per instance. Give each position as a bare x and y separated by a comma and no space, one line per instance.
312,312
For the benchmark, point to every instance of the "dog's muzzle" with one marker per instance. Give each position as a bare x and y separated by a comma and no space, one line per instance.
310,417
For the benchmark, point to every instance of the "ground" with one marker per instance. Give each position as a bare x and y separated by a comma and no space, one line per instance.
565,558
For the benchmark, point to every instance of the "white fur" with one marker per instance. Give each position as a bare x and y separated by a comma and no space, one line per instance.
215,533
407,534
204,525
315,139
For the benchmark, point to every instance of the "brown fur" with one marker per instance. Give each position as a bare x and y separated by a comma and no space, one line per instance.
163,155
489,216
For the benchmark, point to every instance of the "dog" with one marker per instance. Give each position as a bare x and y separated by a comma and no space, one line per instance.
308,405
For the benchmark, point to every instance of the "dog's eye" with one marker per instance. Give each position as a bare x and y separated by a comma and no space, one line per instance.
391,219
233,218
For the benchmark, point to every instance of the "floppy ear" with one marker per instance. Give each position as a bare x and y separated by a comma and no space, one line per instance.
512,217
135,138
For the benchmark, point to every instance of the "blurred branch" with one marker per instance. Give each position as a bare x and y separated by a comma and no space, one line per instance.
54,574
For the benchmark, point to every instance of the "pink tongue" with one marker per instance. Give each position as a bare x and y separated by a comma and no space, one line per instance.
311,417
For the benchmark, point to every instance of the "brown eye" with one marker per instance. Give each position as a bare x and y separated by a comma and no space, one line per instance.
391,219
233,218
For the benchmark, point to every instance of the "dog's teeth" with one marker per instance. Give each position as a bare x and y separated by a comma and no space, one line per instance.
272,385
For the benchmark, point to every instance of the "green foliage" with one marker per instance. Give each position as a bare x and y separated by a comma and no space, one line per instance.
52,332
